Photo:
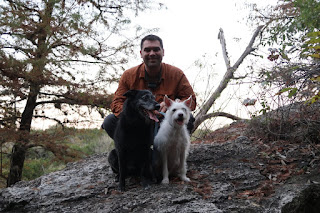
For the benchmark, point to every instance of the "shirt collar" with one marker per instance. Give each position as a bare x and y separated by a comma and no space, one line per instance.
143,67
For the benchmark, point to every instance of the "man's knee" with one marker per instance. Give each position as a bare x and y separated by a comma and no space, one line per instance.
190,124
109,124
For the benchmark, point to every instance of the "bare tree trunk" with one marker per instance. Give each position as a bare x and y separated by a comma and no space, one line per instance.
20,148
16,164
202,114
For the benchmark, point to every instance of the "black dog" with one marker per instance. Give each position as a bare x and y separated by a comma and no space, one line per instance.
134,136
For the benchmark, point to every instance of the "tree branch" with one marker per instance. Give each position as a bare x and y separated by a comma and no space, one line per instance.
221,114
46,117
249,48
224,49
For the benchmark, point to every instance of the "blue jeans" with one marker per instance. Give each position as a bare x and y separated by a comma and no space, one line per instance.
109,124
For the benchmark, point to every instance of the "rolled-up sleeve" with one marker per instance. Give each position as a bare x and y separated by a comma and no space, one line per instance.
118,100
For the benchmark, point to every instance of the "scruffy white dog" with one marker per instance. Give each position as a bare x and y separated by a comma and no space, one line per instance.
172,141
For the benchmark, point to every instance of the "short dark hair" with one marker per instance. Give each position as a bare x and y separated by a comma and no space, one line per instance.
151,38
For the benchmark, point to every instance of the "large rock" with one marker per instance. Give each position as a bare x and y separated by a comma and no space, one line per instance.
307,201
226,177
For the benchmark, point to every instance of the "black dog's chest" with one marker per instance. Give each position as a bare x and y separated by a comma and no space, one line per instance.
135,136
132,125
134,133
134,120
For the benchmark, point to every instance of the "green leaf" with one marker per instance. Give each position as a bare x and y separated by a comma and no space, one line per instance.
292,92
285,90
316,79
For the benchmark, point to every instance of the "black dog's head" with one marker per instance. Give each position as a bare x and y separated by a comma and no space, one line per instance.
143,103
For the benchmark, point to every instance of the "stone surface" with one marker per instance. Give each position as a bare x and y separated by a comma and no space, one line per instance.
226,177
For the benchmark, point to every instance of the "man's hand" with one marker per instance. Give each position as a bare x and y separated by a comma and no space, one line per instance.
163,107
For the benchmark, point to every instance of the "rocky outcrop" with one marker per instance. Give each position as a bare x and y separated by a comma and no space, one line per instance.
226,177
307,201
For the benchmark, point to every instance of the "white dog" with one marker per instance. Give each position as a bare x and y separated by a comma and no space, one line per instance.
172,141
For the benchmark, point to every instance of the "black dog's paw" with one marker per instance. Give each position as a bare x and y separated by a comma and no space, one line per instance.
116,179
122,188
147,187
145,183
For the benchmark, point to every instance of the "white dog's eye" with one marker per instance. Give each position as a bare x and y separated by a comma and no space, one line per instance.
184,109
173,110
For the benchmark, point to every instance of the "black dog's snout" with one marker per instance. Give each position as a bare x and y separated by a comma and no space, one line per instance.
157,106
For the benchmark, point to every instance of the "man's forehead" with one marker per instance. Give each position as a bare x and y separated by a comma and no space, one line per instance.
151,44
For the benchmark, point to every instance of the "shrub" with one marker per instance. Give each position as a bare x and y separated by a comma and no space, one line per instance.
297,122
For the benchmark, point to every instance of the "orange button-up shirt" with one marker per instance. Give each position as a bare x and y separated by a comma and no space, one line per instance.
173,83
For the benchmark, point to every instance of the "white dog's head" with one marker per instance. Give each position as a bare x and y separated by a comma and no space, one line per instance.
178,111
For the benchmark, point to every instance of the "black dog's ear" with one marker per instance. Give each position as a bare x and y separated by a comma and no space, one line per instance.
130,93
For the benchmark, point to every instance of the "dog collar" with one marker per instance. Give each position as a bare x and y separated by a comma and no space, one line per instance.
162,113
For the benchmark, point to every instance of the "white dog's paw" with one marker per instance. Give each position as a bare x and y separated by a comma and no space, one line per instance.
185,178
165,181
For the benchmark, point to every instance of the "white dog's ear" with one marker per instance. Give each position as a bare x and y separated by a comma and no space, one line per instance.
188,102
167,101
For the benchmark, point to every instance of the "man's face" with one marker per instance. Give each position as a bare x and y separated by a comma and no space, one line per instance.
152,53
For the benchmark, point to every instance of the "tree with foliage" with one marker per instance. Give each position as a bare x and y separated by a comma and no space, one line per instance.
45,49
291,34
293,26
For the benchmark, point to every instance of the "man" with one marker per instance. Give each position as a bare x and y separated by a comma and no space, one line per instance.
160,78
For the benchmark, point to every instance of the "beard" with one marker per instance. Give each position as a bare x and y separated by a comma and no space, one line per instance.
153,62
